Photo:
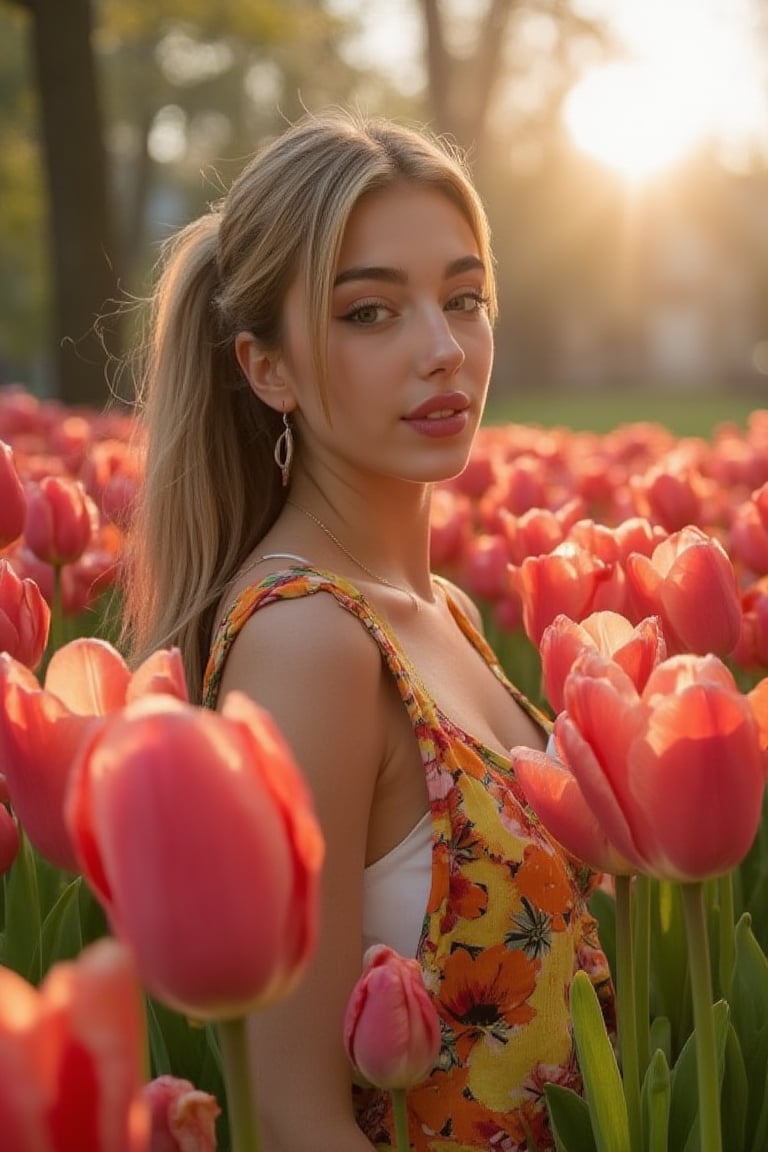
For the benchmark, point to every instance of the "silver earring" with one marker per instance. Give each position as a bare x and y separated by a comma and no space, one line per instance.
284,450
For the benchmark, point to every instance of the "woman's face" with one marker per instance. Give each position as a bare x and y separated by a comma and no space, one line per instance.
410,345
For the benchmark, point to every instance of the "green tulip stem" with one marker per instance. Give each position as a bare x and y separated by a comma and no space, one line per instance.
703,1018
627,1010
642,970
56,626
401,1120
236,1063
727,934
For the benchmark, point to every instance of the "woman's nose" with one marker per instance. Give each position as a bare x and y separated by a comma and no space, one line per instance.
440,350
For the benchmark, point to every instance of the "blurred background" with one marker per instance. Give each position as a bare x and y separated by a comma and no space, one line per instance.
621,147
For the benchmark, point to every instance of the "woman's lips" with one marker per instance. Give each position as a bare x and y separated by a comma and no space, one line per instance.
444,415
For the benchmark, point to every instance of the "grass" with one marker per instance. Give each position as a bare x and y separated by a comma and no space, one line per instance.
685,412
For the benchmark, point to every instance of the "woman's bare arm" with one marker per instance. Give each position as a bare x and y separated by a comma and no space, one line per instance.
316,671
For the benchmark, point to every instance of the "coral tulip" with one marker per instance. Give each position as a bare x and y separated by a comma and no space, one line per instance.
566,580
13,502
554,793
391,1027
636,649
24,617
689,582
61,519
218,798
182,1118
71,1057
42,727
674,774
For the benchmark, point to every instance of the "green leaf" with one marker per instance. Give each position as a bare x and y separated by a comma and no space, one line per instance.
669,963
684,1103
759,1134
661,1037
569,1116
735,1092
749,1015
21,944
655,1096
61,938
603,1089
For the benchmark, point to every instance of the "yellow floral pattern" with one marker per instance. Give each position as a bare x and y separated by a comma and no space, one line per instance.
506,924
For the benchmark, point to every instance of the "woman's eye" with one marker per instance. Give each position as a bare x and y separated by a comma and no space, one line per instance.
467,302
366,314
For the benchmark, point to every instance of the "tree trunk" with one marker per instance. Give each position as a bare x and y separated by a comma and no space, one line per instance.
460,91
81,232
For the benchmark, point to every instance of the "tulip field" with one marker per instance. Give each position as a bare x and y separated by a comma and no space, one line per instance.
622,576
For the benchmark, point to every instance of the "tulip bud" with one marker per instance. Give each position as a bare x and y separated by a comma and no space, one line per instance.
24,617
61,519
217,797
182,1118
391,1026
13,502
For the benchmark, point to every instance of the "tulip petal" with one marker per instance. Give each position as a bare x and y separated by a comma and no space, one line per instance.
697,783
555,796
161,672
599,790
200,788
89,675
702,575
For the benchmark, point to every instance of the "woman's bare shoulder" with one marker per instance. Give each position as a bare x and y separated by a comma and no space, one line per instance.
315,668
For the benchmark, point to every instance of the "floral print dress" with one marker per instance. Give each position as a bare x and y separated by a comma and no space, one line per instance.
505,927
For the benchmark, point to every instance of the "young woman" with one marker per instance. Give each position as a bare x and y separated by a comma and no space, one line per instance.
320,357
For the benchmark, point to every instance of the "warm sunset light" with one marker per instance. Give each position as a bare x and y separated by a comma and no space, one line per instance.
632,119
690,75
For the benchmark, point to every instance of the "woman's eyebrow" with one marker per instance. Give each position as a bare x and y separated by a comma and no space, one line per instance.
399,276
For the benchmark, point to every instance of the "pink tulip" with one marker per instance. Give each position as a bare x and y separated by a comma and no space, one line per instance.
748,538
42,727
669,494
536,533
13,502
61,519
217,893
391,1026
450,527
24,617
567,580
636,534
485,567
71,1057
554,793
675,774
689,582
182,1118
636,649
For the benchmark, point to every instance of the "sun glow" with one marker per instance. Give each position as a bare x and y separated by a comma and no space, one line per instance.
633,118
691,74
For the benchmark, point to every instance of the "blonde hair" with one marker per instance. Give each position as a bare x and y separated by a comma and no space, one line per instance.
211,488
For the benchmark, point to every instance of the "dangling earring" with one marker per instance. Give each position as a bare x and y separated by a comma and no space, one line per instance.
284,450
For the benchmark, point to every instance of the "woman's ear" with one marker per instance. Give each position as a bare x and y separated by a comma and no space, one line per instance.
265,371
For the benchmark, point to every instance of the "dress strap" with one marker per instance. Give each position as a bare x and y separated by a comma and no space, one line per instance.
285,556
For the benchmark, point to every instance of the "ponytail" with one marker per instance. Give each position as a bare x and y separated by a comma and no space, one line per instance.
211,488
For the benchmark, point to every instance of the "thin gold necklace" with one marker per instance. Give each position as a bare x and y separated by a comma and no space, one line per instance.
332,536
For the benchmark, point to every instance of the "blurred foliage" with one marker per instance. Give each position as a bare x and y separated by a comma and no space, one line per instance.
23,283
